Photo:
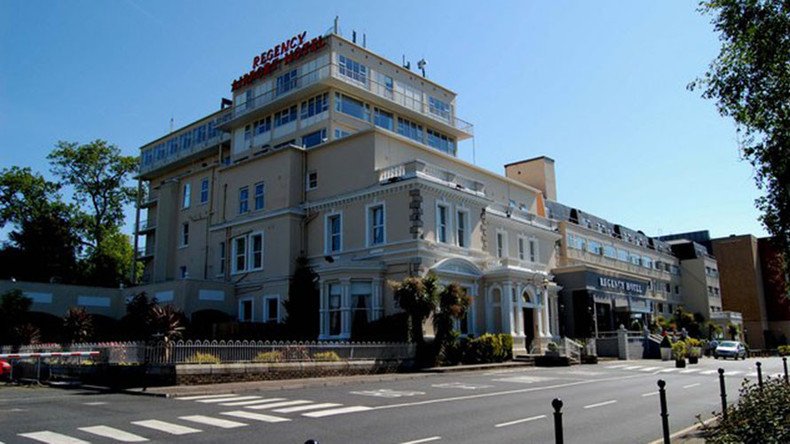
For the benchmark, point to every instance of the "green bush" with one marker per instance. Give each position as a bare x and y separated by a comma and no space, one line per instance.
784,350
329,356
488,348
272,356
204,358
760,416
679,350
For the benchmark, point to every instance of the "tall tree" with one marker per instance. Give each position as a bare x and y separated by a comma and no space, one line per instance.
14,326
303,304
750,82
77,325
417,296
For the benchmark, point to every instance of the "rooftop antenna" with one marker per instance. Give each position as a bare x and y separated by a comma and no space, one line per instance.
421,65
337,23
353,36
171,124
406,64
364,40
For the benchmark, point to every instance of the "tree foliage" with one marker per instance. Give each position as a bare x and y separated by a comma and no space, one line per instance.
15,328
303,305
750,82
77,325
417,296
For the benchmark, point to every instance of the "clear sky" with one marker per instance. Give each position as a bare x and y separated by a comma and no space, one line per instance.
598,86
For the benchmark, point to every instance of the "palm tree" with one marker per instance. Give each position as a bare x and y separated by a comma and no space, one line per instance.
417,297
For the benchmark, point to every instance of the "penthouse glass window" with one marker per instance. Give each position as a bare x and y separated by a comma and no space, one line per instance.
439,108
244,200
314,138
199,134
410,129
286,82
172,146
386,86
352,69
622,255
263,126
287,115
352,107
647,262
635,259
575,242
315,105
383,119
260,189
441,142
376,225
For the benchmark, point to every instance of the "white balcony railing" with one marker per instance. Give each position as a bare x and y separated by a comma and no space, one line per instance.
424,170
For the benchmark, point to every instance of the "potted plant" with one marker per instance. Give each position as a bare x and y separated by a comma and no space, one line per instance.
666,348
552,349
679,351
694,350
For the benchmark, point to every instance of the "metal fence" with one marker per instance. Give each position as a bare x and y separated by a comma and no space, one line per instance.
185,352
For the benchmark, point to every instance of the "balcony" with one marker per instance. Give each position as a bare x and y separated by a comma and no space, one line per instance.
145,226
734,317
145,252
184,144
331,74
419,169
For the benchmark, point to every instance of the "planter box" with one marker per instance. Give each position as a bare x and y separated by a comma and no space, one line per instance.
693,359
666,353
680,363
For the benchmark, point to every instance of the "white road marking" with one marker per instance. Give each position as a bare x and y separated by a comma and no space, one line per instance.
691,385
708,372
254,401
387,393
52,438
736,372
340,411
304,408
668,370
649,394
173,429
193,398
432,438
95,403
519,421
633,367
235,398
255,416
649,369
525,379
460,385
272,405
113,433
691,370
750,375
600,404
612,367
216,422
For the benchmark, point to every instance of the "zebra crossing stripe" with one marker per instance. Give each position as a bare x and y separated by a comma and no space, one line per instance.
195,398
612,367
340,411
52,438
302,408
272,405
255,401
708,372
216,422
649,369
113,433
235,398
691,370
668,370
255,416
173,429
633,367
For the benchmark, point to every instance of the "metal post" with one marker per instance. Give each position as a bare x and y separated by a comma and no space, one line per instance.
723,390
662,394
557,404
760,374
784,363
38,370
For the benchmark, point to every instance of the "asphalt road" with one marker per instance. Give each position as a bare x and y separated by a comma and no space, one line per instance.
612,402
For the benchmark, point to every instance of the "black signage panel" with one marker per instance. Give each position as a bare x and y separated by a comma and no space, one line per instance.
616,285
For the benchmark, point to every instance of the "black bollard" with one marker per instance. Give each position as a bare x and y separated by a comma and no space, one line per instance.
557,404
784,363
723,394
662,394
311,441
760,374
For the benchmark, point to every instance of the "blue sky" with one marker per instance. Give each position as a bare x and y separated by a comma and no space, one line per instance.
597,86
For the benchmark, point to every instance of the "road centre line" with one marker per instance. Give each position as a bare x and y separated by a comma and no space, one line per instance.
505,393
193,398
600,404
432,438
692,385
519,421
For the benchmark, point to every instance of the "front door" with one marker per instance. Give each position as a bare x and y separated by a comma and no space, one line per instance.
529,330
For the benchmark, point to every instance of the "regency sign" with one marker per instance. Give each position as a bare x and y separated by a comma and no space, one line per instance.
287,52
616,285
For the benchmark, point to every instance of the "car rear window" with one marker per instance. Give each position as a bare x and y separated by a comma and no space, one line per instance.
728,344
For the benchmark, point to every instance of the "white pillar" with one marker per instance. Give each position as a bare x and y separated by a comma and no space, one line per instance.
538,311
377,309
546,321
507,307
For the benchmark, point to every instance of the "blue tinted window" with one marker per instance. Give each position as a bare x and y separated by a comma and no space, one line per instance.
315,105
383,119
286,82
441,142
352,69
285,116
352,107
314,138
409,129
263,125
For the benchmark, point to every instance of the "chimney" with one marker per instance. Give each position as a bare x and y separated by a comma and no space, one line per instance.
537,172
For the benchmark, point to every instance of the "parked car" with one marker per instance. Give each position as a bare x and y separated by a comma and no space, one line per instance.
730,349
5,370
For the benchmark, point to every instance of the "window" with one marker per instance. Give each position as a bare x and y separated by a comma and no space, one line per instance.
183,272
185,234
594,247
500,245
286,82
204,191
660,307
635,259
334,310
352,69
315,105
575,242
312,180
247,132
271,308
441,223
439,108
246,310
383,119
622,255
410,129
244,197
352,107
334,235
376,235
239,254
462,228
533,250
341,133
186,197
677,289
314,138
386,86
260,188
667,287
263,126
647,262
256,251
222,258
441,142
361,295
285,116
521,250
610,251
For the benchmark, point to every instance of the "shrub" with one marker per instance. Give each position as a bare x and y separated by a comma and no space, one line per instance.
329,356
784,350
204,358
760,416
488,348
552,347
272,356
679,350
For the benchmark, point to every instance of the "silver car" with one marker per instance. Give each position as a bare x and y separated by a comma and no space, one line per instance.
730,349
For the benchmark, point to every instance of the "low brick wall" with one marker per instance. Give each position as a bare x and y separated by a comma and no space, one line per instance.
195,374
